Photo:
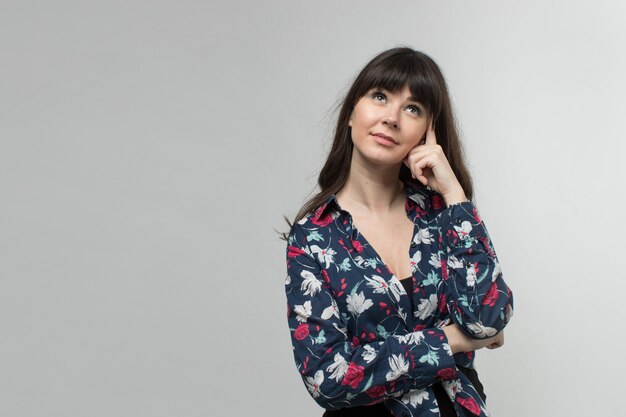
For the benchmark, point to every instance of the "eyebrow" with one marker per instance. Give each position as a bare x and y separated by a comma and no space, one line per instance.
412,98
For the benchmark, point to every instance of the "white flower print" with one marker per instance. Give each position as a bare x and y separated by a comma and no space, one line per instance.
424,236
435,260
310,283
343,330
288,280
381,286
480,330
447,348
331,310
369,353
325,256
359,261
338,368
357,303
463,230
496,270
411,338
426,307
313,384
419,199
402,314
452,386
508,313
415,260
415,397
399,366
303,312
454,262
471,276
396,288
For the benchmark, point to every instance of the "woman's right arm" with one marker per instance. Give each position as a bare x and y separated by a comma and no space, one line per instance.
339,372
460,342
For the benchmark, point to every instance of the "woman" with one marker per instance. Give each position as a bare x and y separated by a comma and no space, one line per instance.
393,282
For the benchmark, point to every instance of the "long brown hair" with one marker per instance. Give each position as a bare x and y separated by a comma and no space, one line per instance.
392,70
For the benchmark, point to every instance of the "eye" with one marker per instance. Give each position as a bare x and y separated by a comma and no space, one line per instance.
378,94
418,110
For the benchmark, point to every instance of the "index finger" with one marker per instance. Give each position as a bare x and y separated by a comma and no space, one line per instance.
431,139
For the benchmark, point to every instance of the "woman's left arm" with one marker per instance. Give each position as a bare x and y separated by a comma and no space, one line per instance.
478,298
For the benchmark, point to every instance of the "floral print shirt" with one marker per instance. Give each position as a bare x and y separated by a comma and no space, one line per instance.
356,340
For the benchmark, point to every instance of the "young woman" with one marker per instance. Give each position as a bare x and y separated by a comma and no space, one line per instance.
393,282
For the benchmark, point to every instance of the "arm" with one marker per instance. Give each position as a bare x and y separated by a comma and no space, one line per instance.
479,300
337,371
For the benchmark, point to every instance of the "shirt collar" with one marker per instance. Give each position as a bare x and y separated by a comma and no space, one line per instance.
414,191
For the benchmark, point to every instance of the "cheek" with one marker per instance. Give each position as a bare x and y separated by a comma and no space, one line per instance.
420,134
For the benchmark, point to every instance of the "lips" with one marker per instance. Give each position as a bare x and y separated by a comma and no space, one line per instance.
382,135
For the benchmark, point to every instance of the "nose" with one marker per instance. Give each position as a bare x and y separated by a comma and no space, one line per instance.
391,121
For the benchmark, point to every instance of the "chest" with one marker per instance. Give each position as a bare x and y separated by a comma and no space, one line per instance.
390,238
363,260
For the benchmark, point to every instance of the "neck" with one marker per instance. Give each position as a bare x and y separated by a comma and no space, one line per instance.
373,188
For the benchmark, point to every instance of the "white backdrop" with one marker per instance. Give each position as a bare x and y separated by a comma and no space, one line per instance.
148,150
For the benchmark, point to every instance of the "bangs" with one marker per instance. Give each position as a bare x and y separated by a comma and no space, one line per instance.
396,72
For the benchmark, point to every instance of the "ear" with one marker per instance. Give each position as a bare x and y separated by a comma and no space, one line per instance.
350,121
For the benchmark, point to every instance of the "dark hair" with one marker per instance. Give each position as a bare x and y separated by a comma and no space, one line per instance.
392,70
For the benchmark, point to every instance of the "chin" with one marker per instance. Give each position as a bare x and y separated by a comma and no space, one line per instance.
377,159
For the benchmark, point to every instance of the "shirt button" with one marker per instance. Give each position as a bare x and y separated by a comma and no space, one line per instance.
457,220
413,244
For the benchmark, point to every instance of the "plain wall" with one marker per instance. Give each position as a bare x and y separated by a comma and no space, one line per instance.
148,150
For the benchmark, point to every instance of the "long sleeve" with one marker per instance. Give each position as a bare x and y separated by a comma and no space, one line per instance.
337,369
479,300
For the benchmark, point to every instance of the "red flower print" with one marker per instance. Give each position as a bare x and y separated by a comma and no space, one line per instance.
323,221
357,245
491,296
437,201
409,205
293,252
441,305
355,341
301,332
353,376
377,391
470,404
444,269
447,373
326,277
476,215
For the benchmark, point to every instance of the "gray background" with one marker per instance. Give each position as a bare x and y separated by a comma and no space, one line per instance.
148,150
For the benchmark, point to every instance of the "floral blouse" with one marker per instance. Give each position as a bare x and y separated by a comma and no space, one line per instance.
356,340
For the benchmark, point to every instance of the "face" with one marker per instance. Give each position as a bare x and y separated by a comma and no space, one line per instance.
397,116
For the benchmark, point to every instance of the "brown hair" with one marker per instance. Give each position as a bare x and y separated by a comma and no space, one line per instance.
392,70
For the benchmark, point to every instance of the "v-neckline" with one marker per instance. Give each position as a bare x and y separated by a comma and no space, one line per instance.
373,250
375,253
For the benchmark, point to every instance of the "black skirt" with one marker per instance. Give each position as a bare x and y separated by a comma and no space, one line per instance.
446,409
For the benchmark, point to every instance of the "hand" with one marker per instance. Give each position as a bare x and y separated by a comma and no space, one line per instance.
460,342
498,341
429,165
